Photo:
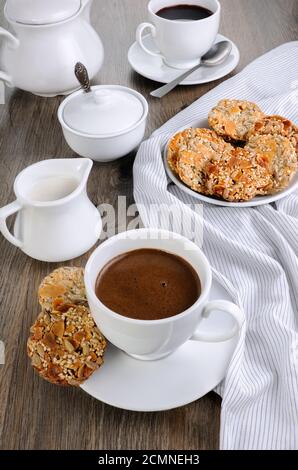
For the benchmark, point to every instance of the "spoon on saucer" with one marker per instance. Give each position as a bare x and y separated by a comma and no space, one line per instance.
215,56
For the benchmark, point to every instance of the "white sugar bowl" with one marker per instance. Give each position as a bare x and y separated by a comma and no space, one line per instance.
105,124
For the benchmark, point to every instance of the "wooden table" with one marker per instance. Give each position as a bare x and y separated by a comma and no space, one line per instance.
33,413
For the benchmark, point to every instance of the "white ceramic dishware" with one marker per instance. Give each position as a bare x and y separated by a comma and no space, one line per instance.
218,54
255,202
56,220
188,374
50,37
152,340
105,124
180,44
154,68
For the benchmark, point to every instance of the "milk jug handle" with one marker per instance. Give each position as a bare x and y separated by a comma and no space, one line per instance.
14,42
6,212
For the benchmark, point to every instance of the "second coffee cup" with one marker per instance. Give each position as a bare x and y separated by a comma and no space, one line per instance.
183,31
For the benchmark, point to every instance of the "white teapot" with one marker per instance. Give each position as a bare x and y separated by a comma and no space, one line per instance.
51,36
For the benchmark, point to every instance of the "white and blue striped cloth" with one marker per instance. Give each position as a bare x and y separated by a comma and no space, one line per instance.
253,252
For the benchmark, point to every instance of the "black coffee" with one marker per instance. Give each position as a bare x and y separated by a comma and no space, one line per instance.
184,12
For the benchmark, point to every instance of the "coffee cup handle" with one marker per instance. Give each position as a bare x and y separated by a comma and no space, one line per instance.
6,212
139,38
222,306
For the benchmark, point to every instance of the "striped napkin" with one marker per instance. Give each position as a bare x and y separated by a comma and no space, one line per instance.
253,252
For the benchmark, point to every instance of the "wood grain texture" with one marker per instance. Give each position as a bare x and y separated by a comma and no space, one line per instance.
34,414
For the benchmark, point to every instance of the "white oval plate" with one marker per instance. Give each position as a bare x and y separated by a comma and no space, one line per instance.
177,380
155,69
257,201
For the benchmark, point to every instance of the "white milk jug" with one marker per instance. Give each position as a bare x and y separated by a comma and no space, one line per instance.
56,221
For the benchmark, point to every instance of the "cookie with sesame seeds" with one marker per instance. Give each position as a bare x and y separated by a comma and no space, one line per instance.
276,125
193,140
239,176
190,150
278,155
234,119
65,346
62,286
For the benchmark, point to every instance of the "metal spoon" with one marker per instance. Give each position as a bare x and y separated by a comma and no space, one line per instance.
82,75
215,56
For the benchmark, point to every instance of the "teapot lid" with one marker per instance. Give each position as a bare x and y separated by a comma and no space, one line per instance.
106,110
41,12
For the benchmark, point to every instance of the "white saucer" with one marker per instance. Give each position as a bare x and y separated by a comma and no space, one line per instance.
155,69
257,201
185,376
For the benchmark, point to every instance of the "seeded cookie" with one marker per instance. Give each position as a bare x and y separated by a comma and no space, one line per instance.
65,346
278,155
194,140
203,147
176,142
238,176
191,167
276,125
192,148
234,119
64,285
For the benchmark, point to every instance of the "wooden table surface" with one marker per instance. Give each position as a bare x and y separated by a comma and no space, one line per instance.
33,413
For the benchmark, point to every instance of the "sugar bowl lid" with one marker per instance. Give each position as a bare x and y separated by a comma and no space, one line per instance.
105,111
41,12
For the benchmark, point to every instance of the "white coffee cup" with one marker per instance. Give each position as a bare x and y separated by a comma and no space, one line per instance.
181,44
154,339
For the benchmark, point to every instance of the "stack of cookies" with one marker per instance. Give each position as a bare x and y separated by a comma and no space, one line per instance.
246,154
65,346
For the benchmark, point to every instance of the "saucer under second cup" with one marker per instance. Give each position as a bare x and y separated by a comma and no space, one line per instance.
155,69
